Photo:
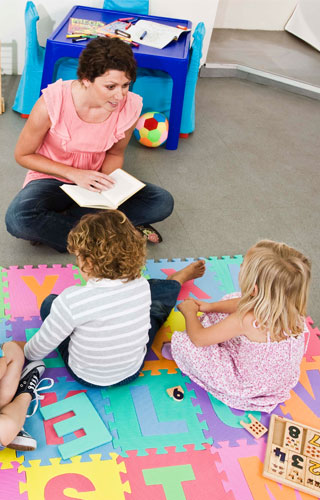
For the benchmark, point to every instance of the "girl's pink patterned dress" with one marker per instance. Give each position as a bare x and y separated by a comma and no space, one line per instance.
243,374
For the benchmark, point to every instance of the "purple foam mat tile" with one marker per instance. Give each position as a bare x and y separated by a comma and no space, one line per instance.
20,325
151,356
58,373
223,422
218,429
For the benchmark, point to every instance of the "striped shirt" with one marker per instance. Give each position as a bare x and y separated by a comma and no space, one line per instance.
108,323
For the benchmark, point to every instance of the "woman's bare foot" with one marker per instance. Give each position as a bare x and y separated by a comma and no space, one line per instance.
192,271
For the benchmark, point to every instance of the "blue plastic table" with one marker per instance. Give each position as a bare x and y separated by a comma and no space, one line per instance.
173,58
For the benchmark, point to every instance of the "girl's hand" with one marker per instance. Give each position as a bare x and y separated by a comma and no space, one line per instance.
188,305
92,180
204,307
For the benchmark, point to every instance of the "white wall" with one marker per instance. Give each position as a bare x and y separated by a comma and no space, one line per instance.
254,14
51,12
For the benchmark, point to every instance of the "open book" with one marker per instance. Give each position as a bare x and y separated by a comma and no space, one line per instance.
125,186
154,34
83,26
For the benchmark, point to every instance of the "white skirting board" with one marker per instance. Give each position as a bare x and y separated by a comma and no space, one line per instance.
264,77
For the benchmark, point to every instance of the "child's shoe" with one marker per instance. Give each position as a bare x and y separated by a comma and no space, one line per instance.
30,383
30,378
23,442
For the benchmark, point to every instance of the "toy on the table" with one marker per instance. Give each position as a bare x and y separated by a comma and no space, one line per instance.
152,129
293,455
177,393
256,428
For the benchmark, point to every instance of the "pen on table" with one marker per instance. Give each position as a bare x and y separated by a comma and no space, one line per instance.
81,39
79,35
130,23
76,35
143,35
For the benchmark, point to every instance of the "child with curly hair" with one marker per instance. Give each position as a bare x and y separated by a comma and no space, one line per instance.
246,350
103,330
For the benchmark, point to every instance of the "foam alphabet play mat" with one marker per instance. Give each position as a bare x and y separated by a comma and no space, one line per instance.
137,442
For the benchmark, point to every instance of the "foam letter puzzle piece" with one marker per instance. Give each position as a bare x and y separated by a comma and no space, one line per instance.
42,290
56,487
170,478
147,415
94,480
86,418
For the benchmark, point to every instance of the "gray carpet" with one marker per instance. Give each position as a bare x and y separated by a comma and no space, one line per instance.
249,171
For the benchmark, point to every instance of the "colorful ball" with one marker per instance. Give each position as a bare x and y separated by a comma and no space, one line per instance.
152,129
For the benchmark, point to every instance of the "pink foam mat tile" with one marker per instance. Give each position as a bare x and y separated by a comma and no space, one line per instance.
176,475
313,342
27,287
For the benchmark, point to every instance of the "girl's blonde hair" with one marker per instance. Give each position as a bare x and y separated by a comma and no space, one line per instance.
274,280
109,246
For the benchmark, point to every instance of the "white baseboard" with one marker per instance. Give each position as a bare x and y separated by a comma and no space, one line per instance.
217,70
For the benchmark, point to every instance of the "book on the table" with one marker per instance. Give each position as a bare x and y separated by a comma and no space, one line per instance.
83,26
125,186
155,35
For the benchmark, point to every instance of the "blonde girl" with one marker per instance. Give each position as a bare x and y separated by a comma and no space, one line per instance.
246,349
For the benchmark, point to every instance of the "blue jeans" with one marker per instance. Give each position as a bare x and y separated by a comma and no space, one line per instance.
42,212
164,294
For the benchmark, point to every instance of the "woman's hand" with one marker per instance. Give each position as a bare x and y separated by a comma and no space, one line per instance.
188,305
90,179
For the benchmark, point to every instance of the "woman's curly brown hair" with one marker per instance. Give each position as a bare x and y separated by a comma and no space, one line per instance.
103,54
108,245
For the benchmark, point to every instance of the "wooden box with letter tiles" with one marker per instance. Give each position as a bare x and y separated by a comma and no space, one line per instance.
293,455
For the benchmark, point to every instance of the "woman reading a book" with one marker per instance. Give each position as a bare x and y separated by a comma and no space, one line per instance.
77,133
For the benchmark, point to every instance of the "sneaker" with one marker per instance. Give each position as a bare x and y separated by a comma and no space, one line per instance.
23,442
30,377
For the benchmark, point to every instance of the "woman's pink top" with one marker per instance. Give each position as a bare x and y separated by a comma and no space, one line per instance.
242,374
74,142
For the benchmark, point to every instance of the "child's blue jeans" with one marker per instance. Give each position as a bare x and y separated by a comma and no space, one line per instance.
164,294
42,212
